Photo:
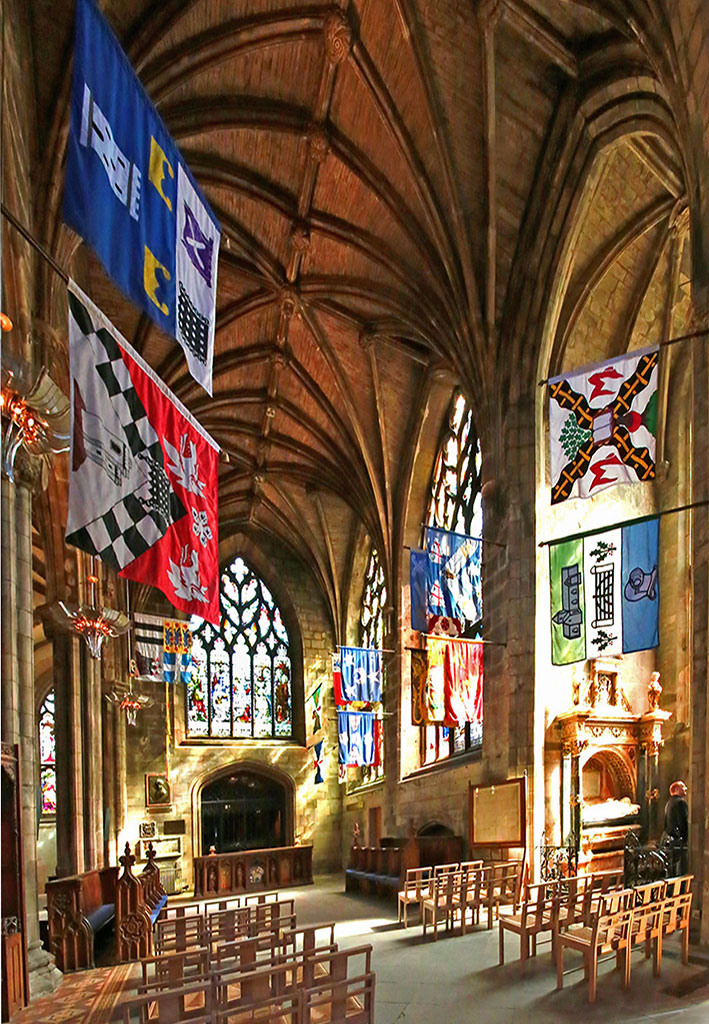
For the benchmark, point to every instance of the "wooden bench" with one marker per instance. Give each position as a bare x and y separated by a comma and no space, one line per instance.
381,870
78,908
139,902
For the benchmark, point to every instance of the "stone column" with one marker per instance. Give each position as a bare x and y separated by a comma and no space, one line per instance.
92,759
20,726
67,730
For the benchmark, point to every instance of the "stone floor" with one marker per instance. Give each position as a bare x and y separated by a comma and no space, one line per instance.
457,979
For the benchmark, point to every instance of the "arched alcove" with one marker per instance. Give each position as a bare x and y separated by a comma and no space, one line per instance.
243,806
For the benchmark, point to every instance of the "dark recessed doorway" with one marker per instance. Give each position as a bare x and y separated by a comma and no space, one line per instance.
243,810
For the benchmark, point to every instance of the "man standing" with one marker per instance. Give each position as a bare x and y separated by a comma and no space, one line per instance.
677,824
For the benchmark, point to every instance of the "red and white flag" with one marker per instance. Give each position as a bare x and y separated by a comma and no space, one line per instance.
143,481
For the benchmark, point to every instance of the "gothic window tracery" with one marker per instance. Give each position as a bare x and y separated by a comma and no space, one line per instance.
240,681
455,504
371,634
47,756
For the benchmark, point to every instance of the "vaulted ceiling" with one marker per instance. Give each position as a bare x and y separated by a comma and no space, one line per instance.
383,173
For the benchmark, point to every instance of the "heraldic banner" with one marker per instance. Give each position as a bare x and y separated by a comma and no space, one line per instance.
605,593
143,481
453,579
602,426
129,193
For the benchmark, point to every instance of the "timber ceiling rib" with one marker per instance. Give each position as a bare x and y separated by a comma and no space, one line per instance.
386,173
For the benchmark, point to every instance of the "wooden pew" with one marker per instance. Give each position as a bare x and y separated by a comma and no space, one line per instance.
78,908
179,1003
139,903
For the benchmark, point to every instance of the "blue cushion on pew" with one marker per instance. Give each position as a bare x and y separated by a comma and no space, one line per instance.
158,907
100,917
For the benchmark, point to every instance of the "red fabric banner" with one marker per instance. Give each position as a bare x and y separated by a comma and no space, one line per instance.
463,683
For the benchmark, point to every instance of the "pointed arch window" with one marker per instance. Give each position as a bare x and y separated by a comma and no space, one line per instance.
240,681
371,634
47,756
455,503
374,599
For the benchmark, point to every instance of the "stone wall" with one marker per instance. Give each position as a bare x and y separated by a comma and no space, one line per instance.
317,808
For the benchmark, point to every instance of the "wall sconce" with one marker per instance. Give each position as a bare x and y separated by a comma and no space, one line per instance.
129,702
36,418
91,621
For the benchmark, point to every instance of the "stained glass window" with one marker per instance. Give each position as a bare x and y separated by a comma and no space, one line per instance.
240,681
455,504
47,750
371,634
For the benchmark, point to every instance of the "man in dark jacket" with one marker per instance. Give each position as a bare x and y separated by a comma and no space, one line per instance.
677,824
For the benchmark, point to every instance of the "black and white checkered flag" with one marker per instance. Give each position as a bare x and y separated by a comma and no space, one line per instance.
127,504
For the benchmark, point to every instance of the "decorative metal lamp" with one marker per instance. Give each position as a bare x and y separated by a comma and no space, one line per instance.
91,621
129,702
36,415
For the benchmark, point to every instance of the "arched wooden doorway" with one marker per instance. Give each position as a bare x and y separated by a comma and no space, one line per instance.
245,809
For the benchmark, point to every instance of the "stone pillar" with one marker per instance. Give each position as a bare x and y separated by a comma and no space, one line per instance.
67,730
92,759
20,726
699,773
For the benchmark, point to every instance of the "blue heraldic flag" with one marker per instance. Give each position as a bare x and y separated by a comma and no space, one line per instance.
418,570
454,577
355,730
361,674
129,193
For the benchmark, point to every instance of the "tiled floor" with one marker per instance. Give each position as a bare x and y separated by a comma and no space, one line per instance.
455,979
84,997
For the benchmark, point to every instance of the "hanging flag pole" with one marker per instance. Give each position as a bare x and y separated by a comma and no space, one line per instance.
660,344
458,640
455,533
377,650
626,522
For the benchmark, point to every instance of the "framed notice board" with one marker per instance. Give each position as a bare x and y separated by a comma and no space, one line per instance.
498,814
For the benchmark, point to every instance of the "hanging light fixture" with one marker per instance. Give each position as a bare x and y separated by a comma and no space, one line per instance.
36,418
91,621
129,702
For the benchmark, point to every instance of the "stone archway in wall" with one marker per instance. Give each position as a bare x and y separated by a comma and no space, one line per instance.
243,805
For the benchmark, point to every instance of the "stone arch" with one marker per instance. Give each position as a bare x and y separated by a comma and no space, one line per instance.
620,766
245,766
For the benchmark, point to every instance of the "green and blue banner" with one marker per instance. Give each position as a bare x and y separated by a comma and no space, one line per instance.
130,195
605,593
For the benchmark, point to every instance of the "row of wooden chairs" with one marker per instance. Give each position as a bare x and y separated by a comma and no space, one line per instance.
297,976
451,891
556,906
223,924
622,924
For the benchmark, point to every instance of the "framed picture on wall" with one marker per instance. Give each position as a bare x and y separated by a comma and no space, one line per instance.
158,792
498,814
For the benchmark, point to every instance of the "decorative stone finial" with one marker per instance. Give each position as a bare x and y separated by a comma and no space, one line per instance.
653,692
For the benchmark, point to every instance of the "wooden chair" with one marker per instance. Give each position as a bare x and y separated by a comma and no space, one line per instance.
443,900
340,995
675,918
173,1005
176,969
607,933
646,931
416,888
179,934
649,892
680,884
468,899
470,865
501,888
283,1009
535,916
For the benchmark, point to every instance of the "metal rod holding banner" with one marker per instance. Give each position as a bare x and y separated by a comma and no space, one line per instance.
625,522
456,533
661,344
36,245
459,640
378,650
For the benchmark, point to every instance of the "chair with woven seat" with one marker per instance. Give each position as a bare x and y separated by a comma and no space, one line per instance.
535,916
443,901
606,933
416,888
646,930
